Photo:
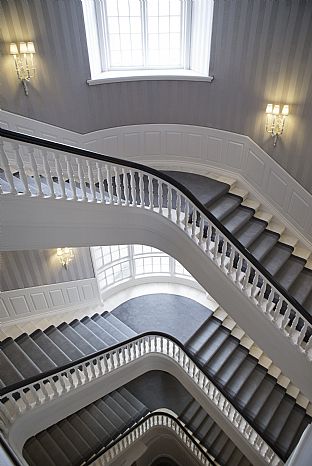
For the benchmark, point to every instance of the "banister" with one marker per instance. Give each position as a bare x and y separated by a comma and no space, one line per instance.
85,153
144,419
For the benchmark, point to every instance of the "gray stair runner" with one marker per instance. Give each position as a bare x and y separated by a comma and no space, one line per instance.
255,393
81,435
41,351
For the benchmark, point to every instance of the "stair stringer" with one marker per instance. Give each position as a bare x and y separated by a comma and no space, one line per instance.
41,417
46,223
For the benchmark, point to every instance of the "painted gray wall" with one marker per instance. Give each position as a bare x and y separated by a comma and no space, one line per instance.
261,52
23,269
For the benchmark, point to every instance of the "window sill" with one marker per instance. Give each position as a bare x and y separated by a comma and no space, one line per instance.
151,75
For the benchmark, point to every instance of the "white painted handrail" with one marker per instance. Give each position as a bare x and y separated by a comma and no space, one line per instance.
64,176
155,420
33,395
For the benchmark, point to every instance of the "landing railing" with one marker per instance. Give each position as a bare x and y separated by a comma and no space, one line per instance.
152,420
23,397
50,170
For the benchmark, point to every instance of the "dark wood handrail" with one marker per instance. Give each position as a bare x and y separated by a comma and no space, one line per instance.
105,158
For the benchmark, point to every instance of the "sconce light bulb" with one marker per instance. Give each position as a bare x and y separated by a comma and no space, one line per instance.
59,252
31,47
13,49
23,47
269,109
276,110
285,110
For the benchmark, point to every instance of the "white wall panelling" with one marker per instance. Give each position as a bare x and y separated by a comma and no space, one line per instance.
197,149
23,304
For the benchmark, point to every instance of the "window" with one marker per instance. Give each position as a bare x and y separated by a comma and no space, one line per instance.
143,38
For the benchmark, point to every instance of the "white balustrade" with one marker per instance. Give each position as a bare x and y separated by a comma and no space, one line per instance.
76,178
156,420
29,397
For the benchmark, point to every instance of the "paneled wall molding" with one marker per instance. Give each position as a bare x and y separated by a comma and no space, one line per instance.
23,304
196,149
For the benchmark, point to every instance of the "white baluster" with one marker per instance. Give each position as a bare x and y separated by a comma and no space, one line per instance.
150,192
91,181
201,230
285,319
309,344
100,180
169,201
216,244
231,263
239,269
303,332
126,187
262,292
35,172
194,218
247,275
60,176
109,184
118,187
82,181
270,301
178,208
255,287
6,168
21,170
186,218
160,196
141,189
133,188
47,171
71,178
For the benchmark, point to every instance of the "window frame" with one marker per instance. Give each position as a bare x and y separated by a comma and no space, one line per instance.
196,31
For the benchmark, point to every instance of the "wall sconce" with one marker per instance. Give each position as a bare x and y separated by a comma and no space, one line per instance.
24,62
275,121
65,256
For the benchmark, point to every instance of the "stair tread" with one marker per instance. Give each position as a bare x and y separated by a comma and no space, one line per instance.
269,408
136,403
104,420
302,286
250,231
24,365
250,386
51,447
290,271
276,258
118,409
9,373
70,333
236,457
107,410
33,351
127,406
120,325
241,375
109,327
88,335
218,445
236,219
288,438
36,453
263,244
213,345
197,419
63,343
75,437
258,399
227,452
108,339
204,428
93,424
224,205
221,356
84,430
280,418
202,335
65,444
229,367
50,348
212,435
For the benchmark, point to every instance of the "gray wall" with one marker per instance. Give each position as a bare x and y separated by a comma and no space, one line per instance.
261,52
23,269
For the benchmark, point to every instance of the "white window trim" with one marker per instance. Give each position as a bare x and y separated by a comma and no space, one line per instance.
200,48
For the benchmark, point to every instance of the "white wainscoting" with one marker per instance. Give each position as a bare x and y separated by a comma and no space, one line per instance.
23,304
196,149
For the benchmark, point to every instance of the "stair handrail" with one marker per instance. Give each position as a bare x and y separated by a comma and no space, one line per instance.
224,239
153,419
24,396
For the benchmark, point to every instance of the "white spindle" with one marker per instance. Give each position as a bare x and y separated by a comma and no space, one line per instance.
169,201
60,176
231,262
126,187
71,178
186,218
178,209
35,172
47,171
118,187
141,190
216,244
109,184
21,170
238,269
303,332
6,168
246,277
150,192
262,292
82,181
160,196
270,301
133,188
101,182
194,218
91,181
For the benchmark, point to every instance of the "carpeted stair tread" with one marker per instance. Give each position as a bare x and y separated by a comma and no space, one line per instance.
66,444
56,453
290,271
244,462
63,343
35,353
36,455
263,244
203,429
221,356
86,432
99,332
102,419
203,334
224,206
257,401
276,258
71,334
250,231
302,286
269,408
289,438
247,390
75,437
50,348
197,419
236,458
213,345
231,365
107,410
118,409
19,358
109,327
280,418
9,373
308,303
189,412
125,329
88,335
234,221
134,401
227,452
94,425
218,445
241,375
125,404
213,434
